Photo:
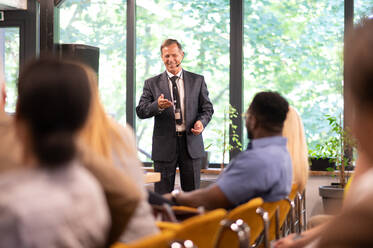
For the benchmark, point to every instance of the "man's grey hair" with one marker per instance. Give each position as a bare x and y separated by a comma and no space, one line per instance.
169,42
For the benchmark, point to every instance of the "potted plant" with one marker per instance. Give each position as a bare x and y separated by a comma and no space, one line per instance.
232,113
335,150
222,141
219,142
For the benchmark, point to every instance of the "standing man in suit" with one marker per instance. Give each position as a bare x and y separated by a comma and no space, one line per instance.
179,102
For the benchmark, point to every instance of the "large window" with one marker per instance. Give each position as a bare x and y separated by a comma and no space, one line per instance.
102,24
295,48
9,42
202,27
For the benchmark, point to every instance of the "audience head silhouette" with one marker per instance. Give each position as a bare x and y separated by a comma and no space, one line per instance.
359,82
53,102
266,115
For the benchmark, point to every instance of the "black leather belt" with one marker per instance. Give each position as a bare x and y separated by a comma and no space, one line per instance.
180,133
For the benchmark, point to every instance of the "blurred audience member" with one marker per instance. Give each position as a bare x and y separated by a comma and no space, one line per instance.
263,170
118,145
297,147
53,202
121,198
352,228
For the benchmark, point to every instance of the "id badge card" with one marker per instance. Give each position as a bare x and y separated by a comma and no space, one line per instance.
177,114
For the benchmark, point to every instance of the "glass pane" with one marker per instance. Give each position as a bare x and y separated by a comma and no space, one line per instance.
362,8
202,27
295,48
9,42
101,24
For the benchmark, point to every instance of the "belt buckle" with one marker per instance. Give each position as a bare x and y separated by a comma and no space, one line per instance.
179,134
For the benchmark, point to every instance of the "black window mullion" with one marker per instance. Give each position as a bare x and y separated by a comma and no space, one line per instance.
236,68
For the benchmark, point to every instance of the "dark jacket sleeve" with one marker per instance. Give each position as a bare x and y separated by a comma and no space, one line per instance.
205,109
148,104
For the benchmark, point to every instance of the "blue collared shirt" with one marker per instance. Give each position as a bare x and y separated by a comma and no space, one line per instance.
263,170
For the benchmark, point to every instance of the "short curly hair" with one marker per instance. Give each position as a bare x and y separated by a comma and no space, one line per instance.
269,109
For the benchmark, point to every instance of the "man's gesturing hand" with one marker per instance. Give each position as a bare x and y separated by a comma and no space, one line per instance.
163,103
198,128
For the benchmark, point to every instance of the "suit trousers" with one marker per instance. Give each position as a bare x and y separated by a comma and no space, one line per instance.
190,170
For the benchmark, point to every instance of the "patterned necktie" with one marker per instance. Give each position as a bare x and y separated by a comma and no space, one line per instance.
175,92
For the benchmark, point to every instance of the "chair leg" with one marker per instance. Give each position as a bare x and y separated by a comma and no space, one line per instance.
265,219
292,215
304,210
243,233
300,213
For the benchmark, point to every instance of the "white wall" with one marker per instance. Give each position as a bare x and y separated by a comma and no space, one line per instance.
313,200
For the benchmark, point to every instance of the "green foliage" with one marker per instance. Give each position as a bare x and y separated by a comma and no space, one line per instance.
293,47
335,146
236,144
223,141
331,147
101,24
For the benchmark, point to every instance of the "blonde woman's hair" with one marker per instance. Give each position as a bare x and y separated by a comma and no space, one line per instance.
293,130
101,133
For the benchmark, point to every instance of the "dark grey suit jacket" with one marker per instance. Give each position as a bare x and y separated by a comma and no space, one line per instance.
197,107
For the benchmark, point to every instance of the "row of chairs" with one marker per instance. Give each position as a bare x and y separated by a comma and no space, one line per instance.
253,224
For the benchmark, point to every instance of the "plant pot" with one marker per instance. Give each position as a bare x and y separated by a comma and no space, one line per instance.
321,164
332,198
205,161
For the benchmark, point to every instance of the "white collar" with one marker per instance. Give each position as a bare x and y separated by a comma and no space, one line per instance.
179,74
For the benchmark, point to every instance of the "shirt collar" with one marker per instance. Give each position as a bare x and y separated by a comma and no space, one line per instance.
179,74
273,140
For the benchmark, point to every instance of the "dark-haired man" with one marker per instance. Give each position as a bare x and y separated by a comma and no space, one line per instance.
263,170
179,102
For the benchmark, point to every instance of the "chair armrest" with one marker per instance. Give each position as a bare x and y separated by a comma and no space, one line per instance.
167,226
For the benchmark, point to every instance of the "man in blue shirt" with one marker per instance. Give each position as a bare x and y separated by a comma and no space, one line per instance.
263,170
